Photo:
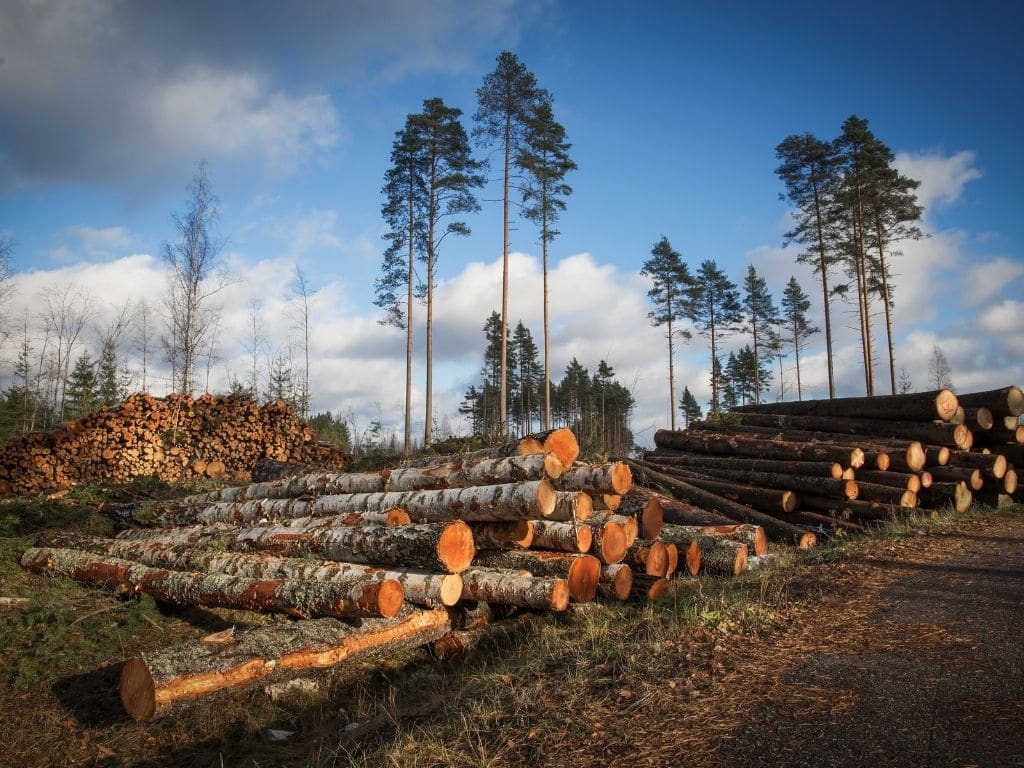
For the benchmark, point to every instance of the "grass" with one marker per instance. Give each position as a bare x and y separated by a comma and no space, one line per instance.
547,690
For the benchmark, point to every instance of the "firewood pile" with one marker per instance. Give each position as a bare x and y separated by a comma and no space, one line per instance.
425,554
174,438
844,463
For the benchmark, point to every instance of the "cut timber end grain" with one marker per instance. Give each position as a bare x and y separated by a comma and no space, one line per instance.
618,579
500,535
648,588
563,443
455,547
510,588
562,537
571,505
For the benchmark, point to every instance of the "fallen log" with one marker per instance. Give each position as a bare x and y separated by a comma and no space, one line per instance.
510,588
975,418
582,572
648,557
562,537
612,478
948,474
908,481
818,485
154,684
571,506
605,502
775,529
648,588
608,540
1007,401
684,513
560,442
993,465
367,596
921,406
868,510
695,461
957,435
758,447
750,494
511,534
645,507
955,495
886,494
616,582
718,556
998,435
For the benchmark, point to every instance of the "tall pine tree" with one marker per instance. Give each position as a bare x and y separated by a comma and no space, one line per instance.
506,100
671,280
762,314
713,304
797,328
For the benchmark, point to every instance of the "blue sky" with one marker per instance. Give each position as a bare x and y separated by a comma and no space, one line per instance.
673,109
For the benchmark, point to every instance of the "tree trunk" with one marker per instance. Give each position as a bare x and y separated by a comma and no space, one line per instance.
993,465
1008,401
613,478
510,588
973,477
153,684
696,461
608,540
367,596
648,557
825,486
616,582
571,506
937,434
562,537
684,513
916,406
955,495
723,444
764,499
644,507
776,529
906,481
751,535
462,474
648,588
582,572
719,556
512,534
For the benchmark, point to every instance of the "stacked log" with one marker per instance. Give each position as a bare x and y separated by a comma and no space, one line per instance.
844,463
174,438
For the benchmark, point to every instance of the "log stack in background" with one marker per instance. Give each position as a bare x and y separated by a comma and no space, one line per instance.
174,438
423,554
843,463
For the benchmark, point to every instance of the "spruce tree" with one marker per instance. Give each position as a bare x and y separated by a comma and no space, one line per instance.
528,376
794,311
82,392
809,170
545,158
507,99
108,387
762,314
690,409
671,283
713,304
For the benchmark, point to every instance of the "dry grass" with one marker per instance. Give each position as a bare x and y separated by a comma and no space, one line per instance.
589,687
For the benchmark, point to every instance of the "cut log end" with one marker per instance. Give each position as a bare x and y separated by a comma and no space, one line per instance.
760,542
619,578
553,466
451,589
455,548
558,599
622,478
563,443
807,540
584,576
396,516
693,558
946,405
916,457
1015,401
138,690
857,458
546,497
389,597
584,538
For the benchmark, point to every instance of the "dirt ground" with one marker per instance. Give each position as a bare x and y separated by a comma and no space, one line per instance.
916,660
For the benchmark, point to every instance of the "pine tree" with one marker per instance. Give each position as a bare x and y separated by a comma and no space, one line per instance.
809,170
671,283
604,376
906,385
797,328
690,409
713,304
528,376
108,387
545,158
507,99
279,381
762,314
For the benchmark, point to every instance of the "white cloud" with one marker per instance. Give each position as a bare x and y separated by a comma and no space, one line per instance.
983,282
943,177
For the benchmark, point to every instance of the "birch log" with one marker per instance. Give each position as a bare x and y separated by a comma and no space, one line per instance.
582,572
561,537
510,588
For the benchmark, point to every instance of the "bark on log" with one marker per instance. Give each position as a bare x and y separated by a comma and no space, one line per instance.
645,507
973,477
737,489
648,588
758,447
511,534
432,590
468,473
510,588
582,572
153,684
561,537
998,435
868,510
605,502
608,541
571,506
649,557
955,495
886,494
368,596
819,485
975,418
696,461
992,465
922,406
616,582
957,435
751,535
908,481
279,509
610,478
1007,401
561,442
684,513
776,529
719,556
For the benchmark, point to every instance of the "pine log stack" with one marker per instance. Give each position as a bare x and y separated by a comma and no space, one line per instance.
841,463
417,555
174,438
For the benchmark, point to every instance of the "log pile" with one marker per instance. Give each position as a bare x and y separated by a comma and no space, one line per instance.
842,463
418,555
174,438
